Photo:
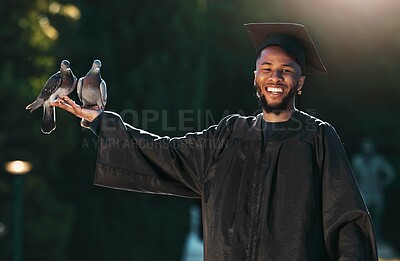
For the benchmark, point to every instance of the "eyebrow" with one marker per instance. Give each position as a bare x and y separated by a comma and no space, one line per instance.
284,65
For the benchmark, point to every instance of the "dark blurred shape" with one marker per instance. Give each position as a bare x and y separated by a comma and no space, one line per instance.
3,230
193,248
374,174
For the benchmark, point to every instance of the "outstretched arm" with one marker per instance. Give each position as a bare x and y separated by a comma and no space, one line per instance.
69,105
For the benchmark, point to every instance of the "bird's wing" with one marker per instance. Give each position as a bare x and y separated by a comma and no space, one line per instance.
79,88
51,85
103,92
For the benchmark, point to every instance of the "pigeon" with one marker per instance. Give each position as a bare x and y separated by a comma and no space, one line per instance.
92,90
60,84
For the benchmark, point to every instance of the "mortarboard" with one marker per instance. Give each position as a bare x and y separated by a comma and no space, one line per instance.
292,37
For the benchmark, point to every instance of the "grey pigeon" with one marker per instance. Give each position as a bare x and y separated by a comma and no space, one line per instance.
92,90
57,86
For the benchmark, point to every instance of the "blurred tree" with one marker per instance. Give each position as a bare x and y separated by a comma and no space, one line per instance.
27,61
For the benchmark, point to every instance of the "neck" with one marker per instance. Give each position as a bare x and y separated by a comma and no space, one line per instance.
281,117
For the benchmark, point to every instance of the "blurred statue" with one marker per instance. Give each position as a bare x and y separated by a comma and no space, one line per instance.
193,248
374,174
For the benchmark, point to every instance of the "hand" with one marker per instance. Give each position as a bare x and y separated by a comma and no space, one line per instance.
69,105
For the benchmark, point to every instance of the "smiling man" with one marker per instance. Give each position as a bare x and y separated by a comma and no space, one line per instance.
275,186
277,80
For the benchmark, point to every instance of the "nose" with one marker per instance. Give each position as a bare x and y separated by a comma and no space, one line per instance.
275,76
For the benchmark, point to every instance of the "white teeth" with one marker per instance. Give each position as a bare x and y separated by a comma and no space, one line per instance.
274,89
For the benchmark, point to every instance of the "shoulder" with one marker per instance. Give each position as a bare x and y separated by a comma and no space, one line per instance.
309,119
235,120
313,123
314,129
243,127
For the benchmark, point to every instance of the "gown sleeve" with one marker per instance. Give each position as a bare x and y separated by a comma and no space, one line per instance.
133,159
347,224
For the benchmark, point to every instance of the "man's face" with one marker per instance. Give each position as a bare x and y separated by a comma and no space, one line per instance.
277,78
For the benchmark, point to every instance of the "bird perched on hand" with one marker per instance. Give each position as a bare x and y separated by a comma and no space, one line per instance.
92,90
57,86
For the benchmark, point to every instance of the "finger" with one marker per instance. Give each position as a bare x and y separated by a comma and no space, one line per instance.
65,107
58,103
68,104
67,100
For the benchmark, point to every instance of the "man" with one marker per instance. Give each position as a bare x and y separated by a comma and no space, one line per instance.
276,186
373,173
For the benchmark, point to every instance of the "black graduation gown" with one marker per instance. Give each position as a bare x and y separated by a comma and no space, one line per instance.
292,197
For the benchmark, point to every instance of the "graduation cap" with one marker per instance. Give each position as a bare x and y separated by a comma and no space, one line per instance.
293,38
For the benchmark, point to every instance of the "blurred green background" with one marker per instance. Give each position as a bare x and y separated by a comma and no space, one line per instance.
162,58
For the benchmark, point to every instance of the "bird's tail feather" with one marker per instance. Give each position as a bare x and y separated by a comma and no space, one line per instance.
34,105
49,119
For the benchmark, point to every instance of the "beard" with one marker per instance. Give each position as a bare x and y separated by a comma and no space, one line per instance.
278,107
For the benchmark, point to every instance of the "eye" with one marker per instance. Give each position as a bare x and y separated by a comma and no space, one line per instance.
266,69
287,71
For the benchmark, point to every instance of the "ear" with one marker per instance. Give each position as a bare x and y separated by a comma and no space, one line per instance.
254,84
300,83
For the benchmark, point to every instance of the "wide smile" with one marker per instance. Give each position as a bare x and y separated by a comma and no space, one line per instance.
275,90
